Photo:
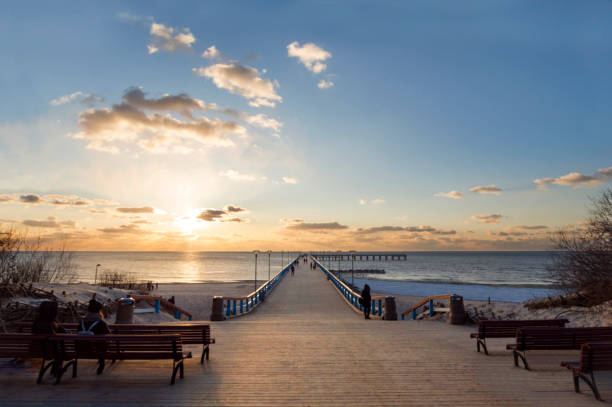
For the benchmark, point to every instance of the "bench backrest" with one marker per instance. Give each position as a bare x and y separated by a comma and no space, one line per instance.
491,328
560,338
596,356
113,346
17,345
191,334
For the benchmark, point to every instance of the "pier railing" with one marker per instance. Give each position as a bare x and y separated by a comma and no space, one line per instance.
412,311
238,306
159,301
351,297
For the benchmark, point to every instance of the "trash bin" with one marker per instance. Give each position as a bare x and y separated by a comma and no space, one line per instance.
457,311
217,309
125,311
390,310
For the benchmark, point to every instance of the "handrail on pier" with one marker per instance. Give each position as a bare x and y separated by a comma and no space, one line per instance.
429,300
159,301
351,297
238,306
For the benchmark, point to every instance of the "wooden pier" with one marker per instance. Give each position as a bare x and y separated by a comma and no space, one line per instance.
359,256
303,346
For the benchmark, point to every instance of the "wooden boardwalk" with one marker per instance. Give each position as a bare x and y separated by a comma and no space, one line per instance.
304,347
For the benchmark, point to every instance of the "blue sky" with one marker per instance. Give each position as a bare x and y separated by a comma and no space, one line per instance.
427,98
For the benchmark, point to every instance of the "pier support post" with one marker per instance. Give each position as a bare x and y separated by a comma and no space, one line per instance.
217,309
390,310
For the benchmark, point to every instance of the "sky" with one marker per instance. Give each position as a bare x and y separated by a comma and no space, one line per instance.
303,125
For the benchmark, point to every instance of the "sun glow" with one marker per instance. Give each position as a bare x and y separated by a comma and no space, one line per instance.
189,223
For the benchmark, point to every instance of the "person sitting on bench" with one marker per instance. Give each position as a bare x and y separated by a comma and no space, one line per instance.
94,324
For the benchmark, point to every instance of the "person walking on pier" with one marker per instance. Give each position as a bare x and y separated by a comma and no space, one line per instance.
366,301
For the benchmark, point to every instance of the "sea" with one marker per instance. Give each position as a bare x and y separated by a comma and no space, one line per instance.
500,276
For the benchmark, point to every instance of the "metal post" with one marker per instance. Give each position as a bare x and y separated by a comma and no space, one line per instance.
96,277
353,268
255,252
431,308
269,254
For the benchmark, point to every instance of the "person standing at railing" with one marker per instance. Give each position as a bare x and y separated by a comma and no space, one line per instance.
366,301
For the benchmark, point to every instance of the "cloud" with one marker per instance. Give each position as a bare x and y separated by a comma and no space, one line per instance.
237,176
489,218
30,198
527,227
377,201
491,189
50,222
244,81
142,209
87,99
323,84
211,53
222,215
289,180
124,229
180,103
299,224
452,194
66,200
263,121
6,198
166,39
411,229
576,179
108,129
309,54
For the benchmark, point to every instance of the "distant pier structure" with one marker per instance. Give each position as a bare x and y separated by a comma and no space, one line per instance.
358,256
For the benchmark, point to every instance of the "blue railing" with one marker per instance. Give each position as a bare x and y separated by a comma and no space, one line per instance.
351,297
237,306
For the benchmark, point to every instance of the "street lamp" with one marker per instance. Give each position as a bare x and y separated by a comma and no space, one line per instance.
353,268
339,257
269,254
256,252
96,277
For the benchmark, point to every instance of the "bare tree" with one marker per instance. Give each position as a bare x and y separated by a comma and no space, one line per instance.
583,263
28,260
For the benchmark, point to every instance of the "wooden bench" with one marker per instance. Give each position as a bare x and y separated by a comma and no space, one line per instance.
70,348
593,356
539,338
28,346
507,329
191,333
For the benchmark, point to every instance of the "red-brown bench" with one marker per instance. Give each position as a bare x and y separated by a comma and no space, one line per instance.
593,356
28,346
538,338
491,328
70,348
191,333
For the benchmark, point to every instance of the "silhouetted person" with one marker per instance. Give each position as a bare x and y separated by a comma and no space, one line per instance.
366,301
94,324
292,269
45,323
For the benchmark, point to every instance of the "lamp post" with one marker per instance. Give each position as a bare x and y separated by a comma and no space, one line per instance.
353,268
96,277
269,254
256,252
282,259
339,257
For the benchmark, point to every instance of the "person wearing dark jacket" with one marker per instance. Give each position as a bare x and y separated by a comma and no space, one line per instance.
366,301
94,324
45,323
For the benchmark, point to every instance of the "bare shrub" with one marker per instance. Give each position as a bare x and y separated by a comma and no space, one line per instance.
582,266
29,260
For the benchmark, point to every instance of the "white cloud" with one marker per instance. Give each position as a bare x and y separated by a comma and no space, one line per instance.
452,194
574,179
211,53
263,121
377,201
289,180
491,189
84,98
164,38
237,176
309,54
606,172
244,81
323,84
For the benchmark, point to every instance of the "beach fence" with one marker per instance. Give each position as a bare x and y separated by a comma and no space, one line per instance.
382,307
233,307
159,302
429,301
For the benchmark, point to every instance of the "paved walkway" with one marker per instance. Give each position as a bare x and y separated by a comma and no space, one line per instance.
304,346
